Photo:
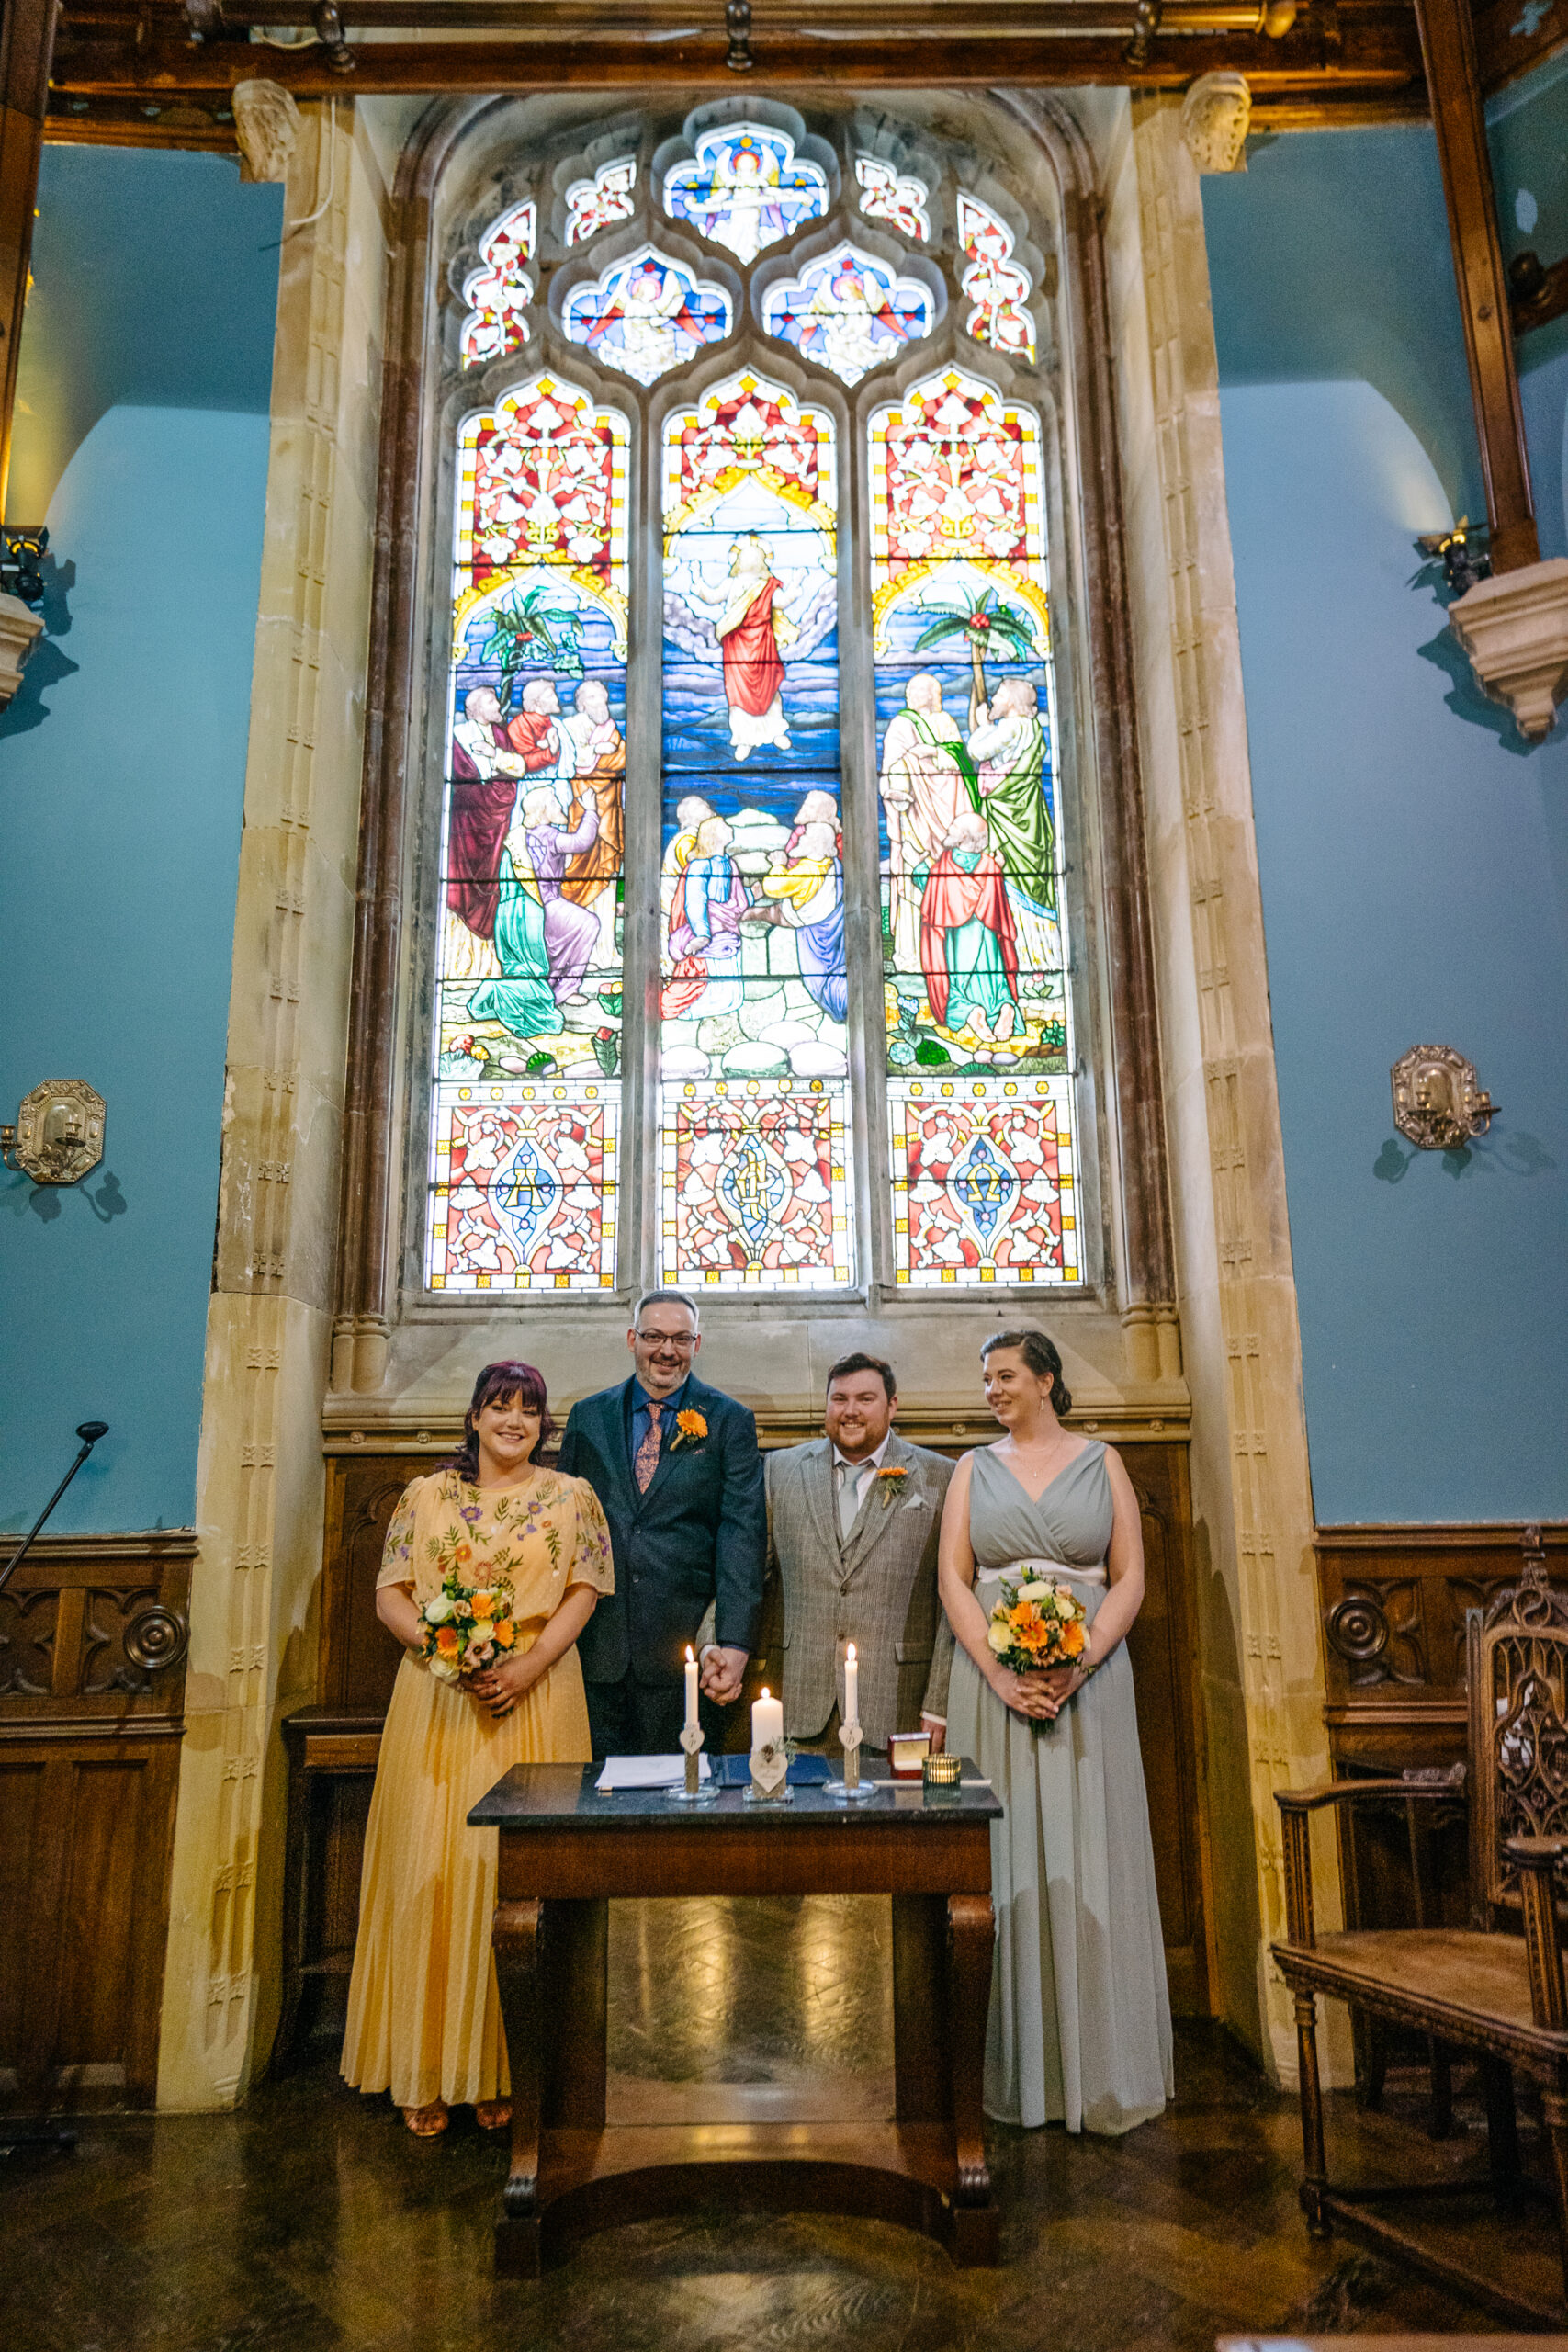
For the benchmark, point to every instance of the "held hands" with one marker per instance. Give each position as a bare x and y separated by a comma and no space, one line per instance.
1038,1697
721,1674
499,1688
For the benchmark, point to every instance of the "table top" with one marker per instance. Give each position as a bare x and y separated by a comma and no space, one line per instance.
561,1796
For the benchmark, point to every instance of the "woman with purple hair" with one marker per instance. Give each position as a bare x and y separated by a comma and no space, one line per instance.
424,2019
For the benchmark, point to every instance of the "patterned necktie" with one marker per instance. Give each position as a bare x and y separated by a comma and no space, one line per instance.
648,1452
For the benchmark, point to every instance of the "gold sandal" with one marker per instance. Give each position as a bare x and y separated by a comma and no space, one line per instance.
493,2114
426,2123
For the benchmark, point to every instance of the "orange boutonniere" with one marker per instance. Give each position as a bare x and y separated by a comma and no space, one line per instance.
690,1429
887,1478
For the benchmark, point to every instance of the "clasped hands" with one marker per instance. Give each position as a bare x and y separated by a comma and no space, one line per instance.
721,1674
500,1687
1040,1696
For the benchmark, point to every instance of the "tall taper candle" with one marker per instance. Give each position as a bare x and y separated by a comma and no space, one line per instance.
767,1722
851,1686
691,1691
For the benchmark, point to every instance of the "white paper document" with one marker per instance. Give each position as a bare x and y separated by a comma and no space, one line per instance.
647,1771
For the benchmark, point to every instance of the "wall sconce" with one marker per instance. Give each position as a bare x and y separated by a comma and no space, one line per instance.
21,591
1437,1102
1462,553
59,1135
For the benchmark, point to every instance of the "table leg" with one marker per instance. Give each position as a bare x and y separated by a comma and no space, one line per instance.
514,1936
970,1940
921,2090
574,1965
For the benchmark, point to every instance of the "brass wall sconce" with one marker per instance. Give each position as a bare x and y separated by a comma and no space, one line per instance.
1437,1101
59,1135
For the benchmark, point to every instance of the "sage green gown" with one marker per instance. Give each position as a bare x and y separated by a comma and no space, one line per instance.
1079,2024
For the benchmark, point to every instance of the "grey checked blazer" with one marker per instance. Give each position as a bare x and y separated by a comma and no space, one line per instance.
878,1589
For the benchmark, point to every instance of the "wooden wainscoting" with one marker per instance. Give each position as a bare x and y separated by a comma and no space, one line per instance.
333,1745
1394,1602
92,1709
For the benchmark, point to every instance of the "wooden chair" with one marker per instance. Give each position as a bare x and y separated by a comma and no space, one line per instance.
1488,1988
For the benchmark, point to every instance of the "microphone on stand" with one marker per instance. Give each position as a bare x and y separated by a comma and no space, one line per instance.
89,1432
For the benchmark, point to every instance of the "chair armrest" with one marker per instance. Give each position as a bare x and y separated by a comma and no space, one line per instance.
1537,1860
1296,1804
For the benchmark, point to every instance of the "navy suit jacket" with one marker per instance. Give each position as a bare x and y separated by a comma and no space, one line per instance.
699,1534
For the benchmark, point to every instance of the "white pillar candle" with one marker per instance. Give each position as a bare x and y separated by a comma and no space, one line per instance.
851,1686
767,1723
691,1691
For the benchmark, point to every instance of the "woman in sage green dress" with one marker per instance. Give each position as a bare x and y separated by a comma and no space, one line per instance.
1079,2025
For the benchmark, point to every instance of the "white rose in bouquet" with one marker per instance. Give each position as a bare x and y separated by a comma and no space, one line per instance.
998,1637
438,1611
1038,1591
445,1669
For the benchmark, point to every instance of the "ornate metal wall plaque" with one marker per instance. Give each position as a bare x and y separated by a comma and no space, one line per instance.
59,1135
1438,1101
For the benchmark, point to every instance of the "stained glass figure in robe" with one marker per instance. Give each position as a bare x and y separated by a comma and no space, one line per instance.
901,202
998,288
847,311
754,992
645,315
527,1107
593,205
746,188
498,291
979,1020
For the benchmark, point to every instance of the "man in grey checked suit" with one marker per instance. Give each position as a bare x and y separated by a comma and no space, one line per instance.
853,1517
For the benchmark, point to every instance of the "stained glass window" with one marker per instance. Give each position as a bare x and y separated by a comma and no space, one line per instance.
523,1141
645,315
754,929
746,188
901,202
591,205
980,1038
754,990
998,288
848,312
498,291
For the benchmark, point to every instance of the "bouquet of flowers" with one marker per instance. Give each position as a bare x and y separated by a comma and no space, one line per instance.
466,1627
1037,1623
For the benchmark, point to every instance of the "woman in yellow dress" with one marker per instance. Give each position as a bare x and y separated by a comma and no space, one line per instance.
424,2019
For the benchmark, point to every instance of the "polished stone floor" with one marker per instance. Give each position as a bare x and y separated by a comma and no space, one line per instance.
310,2219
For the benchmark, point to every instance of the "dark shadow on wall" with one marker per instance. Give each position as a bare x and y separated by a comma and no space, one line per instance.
1509,1152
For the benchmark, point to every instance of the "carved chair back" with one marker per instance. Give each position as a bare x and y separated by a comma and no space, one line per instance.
1516,1652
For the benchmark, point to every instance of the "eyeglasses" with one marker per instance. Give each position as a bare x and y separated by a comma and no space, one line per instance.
682,1342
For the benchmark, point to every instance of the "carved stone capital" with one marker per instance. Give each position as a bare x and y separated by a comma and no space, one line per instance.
1514,627
1215,118
19,632
266,123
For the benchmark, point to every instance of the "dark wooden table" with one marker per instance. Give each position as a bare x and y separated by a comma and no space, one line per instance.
565,1852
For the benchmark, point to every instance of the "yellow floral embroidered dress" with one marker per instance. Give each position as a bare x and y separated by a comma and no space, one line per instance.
423,2021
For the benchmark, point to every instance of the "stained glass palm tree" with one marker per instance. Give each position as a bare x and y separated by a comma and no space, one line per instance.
986,625
528,630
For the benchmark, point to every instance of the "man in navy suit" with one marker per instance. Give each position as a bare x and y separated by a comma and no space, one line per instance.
675,1465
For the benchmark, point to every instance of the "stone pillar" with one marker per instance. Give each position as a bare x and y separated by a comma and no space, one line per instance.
1262,1674
269,1326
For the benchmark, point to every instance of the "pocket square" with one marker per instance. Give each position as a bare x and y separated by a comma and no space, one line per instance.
916,1502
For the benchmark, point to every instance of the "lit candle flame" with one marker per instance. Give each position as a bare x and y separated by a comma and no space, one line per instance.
849,1654
764,1690
690,1660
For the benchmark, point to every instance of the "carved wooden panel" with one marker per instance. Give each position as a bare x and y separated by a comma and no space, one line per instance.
1394,1602
92,1634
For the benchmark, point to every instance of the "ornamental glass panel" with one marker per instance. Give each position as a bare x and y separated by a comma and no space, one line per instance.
526,1117
848,312
593,205
746,188
645,315
901,202
998,288
498,291
753,988
978,1018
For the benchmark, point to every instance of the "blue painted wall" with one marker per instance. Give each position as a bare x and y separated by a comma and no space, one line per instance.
145,376
1414,855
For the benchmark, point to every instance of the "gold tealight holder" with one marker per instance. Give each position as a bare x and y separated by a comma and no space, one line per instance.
941,1771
